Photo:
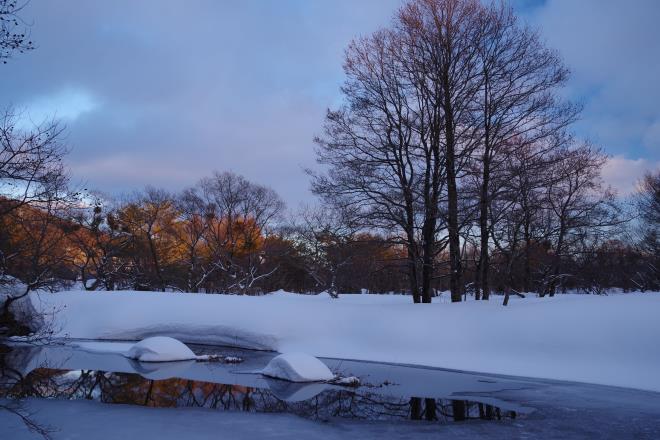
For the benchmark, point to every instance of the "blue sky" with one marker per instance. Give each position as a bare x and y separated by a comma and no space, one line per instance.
163,92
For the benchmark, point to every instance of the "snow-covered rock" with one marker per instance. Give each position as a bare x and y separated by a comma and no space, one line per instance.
297,367
349,381
160,349
220,358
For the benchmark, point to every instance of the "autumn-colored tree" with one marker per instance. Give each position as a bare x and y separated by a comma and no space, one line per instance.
149,218
240,216
100,246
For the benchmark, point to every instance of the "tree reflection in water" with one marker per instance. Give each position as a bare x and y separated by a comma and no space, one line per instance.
134,389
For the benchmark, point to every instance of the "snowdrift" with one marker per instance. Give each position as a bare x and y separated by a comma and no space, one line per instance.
610,340
297,367
160,349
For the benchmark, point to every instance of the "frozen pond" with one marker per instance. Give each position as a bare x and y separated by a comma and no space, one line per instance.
48,384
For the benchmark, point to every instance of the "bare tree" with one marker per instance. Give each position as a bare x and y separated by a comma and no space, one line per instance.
194,215
446,40
149,219
384,148
648,199
31,168
517,105
239,217
578,203
33,190
14,36
325,240
647,202
100,244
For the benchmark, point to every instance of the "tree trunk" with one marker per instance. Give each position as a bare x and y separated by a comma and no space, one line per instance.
484,262
557,261
154,256
452,196
430,410
528,256
477,281
458,410
427,267
412,276
415,408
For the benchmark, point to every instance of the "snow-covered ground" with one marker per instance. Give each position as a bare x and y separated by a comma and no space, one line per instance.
610,340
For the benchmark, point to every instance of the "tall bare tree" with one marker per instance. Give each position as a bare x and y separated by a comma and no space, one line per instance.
578,203
647,202
33,189
377,150
518,104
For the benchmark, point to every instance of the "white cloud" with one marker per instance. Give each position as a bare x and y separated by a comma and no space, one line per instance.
66,105
611,48
622,173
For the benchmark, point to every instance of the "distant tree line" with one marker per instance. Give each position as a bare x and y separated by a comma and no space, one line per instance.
229,235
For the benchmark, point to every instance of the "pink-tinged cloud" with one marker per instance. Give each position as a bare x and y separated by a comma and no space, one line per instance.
623,174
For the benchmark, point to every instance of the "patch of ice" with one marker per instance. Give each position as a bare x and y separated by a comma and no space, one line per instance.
160,349
297,367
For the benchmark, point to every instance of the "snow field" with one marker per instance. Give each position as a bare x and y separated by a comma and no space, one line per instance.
610,340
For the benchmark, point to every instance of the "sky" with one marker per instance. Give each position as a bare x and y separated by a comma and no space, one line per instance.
164,92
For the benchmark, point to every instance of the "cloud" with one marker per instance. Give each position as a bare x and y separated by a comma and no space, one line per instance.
163,92
612,49
66,105
652,137
169,92
623,174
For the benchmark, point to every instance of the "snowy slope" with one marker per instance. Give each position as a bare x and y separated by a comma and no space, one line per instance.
610,340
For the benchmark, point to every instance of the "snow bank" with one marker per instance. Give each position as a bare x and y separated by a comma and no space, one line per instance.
297,367
160,349
610,340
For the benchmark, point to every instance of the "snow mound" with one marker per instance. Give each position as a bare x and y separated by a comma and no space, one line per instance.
297,367
160,349
295,391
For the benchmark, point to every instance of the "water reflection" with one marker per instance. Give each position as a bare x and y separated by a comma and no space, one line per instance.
280,397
